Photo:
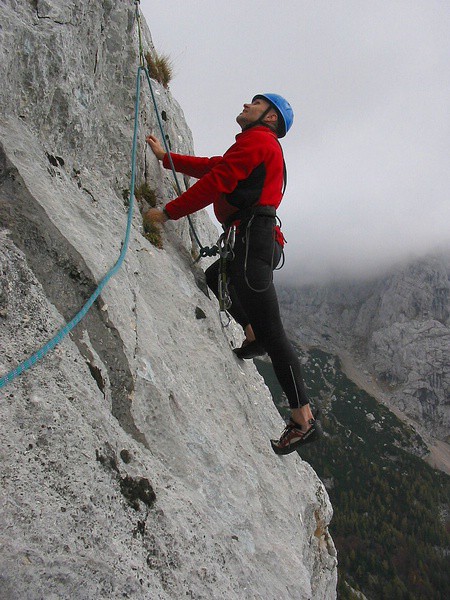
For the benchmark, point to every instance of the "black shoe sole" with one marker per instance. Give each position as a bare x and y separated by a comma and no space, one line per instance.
251,350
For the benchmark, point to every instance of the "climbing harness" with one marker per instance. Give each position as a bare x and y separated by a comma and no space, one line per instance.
64,331
247,247
226,245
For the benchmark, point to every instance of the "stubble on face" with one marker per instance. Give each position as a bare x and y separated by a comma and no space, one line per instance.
251,112
241,120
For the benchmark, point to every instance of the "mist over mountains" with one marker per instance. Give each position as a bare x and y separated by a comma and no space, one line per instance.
348,264
367,156
396,326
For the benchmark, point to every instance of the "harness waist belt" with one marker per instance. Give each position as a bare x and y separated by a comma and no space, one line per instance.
244,214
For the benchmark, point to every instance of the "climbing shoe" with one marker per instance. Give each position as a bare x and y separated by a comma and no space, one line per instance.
293,437
249,349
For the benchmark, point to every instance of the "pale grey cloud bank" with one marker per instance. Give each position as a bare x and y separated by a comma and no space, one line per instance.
368,156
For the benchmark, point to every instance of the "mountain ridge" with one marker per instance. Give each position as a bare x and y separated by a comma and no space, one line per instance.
396,328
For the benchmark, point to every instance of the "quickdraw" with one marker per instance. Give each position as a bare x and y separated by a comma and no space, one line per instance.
225,246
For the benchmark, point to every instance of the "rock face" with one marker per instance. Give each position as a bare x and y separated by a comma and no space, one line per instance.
398,326
135,457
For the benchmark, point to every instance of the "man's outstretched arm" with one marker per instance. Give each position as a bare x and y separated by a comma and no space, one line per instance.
193,166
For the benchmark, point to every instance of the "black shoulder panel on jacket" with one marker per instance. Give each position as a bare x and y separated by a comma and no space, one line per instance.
248,191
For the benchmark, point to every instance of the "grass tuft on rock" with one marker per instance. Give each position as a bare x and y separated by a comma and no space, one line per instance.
160,67
152,233
145,192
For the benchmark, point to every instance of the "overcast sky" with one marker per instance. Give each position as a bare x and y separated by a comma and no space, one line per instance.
369,81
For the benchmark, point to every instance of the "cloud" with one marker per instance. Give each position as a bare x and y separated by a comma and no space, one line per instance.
368,155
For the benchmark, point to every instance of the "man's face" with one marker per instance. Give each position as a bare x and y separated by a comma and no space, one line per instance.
253,111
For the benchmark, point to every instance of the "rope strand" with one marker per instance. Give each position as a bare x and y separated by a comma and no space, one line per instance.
138,21
64,331
203,250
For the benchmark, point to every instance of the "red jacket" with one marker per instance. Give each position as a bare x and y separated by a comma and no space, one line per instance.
250,172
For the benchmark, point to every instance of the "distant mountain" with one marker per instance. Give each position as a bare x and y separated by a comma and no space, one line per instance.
391,510
396,328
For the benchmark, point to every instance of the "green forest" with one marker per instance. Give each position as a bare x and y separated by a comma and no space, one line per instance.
391,522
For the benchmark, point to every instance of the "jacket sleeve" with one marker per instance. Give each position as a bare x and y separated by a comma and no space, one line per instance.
236,164
194,166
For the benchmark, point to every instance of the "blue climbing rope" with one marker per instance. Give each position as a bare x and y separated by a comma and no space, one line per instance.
62,333
204,251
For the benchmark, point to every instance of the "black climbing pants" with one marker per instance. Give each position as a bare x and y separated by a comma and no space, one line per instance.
255,302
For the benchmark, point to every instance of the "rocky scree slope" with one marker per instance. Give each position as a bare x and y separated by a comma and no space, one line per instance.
135,458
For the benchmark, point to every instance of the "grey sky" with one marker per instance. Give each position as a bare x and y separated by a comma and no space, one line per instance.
368,155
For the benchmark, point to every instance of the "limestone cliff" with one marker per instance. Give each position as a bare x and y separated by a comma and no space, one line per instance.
135,458
396,326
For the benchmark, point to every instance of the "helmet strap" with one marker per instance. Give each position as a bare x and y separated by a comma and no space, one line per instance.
260,120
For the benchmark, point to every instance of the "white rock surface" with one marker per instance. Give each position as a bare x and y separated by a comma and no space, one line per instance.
144,396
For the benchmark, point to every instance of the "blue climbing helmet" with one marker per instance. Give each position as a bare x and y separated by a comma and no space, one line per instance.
284,110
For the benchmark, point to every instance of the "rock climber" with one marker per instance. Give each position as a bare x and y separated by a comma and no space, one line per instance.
246,186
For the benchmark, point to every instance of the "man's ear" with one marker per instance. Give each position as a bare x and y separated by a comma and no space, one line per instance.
271,118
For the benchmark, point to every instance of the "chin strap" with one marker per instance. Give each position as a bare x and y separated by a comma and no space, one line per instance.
259,121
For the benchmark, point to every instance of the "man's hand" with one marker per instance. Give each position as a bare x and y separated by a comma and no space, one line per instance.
154,215
156,146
